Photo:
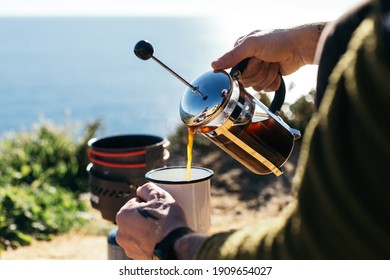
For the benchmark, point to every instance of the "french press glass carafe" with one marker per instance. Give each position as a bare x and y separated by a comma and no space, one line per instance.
217,106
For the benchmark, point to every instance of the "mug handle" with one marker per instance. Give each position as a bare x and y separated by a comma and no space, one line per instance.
280,93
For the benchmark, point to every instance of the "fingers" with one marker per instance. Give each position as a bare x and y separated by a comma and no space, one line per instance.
274,86
261,75
145,220
224,61
242,38
147,202
151,191
256,73
241,51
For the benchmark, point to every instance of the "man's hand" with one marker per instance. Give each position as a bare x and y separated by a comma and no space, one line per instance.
145,220
272,52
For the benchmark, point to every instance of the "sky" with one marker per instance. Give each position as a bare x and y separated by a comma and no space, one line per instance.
165,7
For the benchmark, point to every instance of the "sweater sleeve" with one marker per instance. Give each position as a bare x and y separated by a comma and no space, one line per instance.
342,210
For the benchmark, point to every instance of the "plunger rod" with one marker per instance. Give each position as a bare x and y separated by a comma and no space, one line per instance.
144,50
195,89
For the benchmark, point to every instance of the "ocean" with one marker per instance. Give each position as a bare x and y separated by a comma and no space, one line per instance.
84,69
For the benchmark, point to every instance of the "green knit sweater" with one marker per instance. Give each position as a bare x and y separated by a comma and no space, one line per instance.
342,210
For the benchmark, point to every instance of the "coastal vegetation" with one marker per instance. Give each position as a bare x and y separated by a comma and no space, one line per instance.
42,174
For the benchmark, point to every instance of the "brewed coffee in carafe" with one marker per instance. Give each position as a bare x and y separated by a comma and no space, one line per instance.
238,123
256,139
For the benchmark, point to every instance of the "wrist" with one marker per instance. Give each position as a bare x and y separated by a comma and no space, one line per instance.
306,38
165,249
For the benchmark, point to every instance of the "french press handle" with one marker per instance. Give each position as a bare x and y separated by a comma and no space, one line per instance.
280,93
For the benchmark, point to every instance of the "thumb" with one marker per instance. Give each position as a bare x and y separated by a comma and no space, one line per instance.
233,57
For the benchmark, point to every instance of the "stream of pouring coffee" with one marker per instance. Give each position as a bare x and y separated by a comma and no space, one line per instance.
191,134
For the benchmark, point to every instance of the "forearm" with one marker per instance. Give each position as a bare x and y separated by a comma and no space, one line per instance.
305,39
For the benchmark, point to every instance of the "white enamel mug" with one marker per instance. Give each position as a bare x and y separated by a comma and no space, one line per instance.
193,195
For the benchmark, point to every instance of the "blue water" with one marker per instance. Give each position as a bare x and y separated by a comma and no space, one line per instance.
83,69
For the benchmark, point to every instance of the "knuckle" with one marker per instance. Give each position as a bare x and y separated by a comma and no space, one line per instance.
232,55
257,88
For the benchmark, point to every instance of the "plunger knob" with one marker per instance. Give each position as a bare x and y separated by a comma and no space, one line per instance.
143,50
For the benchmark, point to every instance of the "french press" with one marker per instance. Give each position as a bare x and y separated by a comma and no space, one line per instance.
217,106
